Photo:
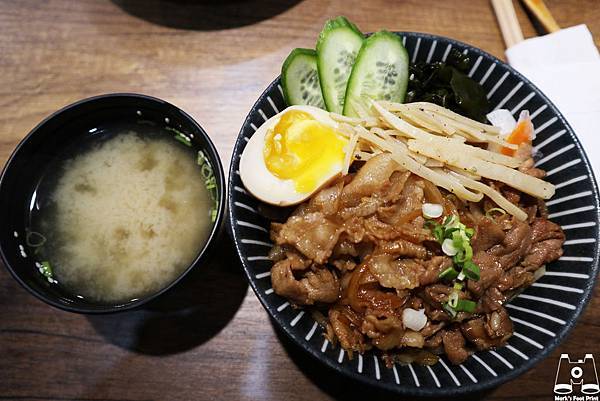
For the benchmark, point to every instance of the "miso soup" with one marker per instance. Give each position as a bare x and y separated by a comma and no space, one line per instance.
124,217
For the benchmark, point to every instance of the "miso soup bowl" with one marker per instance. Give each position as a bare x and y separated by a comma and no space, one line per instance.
28,163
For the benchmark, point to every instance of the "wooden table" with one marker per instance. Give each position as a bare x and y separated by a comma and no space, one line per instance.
209,338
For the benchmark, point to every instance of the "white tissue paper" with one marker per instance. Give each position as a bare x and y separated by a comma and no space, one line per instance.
565,65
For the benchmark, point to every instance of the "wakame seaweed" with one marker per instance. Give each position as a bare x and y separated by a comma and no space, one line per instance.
447,84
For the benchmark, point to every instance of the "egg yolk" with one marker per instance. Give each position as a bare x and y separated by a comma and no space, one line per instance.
302,149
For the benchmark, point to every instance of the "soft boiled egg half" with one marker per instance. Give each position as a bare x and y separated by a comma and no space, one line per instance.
292,155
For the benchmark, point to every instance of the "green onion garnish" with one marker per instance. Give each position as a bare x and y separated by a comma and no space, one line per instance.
455,305
209,181
465,305
453,299
46,270
207,172
449,219
200,159
183,139
180,136
436,230
471,270
450,310
450,273
467,253
455,239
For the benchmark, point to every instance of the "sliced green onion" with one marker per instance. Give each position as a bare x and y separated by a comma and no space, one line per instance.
454,222
455,239
465,305
450,310
436,230
432,210
46,269
449,248
439,234
209,181
453,299
201,158
430,223
180,136
468,251
207,171
458,286
471,270
449,232
458,239
449,274
183,139
450,218
463,255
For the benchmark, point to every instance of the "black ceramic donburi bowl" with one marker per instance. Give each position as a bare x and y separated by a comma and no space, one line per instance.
542,315
66,128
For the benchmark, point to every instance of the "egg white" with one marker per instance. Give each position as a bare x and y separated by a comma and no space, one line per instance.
261,183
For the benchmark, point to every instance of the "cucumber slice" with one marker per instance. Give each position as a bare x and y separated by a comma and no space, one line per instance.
300,80
337,48
380,72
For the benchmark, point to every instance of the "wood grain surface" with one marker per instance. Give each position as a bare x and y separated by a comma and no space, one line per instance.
209,338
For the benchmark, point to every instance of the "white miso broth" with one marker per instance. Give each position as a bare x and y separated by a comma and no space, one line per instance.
124,217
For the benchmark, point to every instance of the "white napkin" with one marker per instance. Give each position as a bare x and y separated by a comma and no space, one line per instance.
565,65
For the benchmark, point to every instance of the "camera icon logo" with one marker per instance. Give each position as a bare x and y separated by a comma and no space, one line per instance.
580,373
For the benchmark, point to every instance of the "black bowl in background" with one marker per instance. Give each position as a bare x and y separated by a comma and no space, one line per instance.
63,129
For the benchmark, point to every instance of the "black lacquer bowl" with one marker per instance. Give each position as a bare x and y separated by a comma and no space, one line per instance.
542,315
68,127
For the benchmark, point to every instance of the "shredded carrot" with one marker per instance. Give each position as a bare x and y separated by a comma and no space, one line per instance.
521,134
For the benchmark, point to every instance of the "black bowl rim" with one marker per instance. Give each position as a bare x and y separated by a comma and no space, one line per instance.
420,391
221,187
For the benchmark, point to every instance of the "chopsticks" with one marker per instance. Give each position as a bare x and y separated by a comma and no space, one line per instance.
509,25
540,11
